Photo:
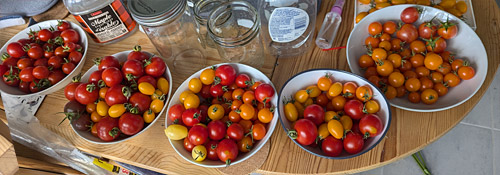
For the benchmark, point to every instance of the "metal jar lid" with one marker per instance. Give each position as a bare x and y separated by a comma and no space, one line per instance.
155,12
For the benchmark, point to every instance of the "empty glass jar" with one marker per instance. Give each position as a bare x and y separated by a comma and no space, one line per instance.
171,29
202,10
235,29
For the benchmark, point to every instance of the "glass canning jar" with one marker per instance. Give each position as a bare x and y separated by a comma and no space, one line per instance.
201,13
171,29
235,29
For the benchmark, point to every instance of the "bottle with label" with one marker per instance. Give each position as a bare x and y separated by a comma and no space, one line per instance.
288,26
106,21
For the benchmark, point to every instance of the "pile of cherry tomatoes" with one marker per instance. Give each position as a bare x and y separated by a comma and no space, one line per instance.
413,60
223,113
457,8
333,115
42,60
118,98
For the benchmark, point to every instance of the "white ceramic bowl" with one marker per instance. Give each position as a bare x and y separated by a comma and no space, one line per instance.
467,45
122,57
14,91
240,68
310,77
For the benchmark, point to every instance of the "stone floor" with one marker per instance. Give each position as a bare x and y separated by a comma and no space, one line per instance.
472,147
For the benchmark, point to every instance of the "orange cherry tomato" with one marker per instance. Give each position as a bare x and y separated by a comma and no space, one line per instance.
255,85
390,92
102,92
372,42
365,61
405,65
417,60
246,124
258,131
248,97
432,61
414,97
324,83
236,104
444,68
322,100
314,91
451,79
386,37
384,68
234,117
379,54
375,80
265,115
370,71
410,74
417,46
441,89
360,16
466,72
457,63
412,84
338,102
237,94
396,79
386,45
364,93
395,60
400,91
349,89
422,71
426,83
447,56
247,111
390,27
436,77
429,96
396,44
375,28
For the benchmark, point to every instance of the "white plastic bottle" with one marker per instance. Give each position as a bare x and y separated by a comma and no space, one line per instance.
288,26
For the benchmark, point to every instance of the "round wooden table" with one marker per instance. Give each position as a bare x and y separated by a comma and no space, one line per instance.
409,131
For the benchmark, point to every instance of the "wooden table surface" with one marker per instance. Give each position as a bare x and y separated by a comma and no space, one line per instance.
409,131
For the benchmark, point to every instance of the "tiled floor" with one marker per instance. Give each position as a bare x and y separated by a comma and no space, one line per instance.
472,147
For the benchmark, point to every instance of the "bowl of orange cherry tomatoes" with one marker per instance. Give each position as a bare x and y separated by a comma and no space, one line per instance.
416,55
333,114
222,115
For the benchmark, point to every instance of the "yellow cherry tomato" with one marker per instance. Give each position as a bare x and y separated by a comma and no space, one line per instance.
461,7
308,102
157,105
90,107
246,111
360,16
300,108
291,112
102,92
397,2
199,153
195,85
102,108
324,83
146,88
314,91
216,112
95,117
148,116
162,84
372,106
331,115
265,115
346,122
335,89
372,10
116,110
192,101
336,129
382,5
156,95
301,96
184,95
176,132
446,4
207,76
323,131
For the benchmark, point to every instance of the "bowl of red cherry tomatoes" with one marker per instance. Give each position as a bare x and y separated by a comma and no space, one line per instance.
222,115
42,58
416,55
333,114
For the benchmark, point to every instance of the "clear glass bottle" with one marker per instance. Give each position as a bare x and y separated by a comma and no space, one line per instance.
172,31
331,24
202,10
106,21
235,29
288,25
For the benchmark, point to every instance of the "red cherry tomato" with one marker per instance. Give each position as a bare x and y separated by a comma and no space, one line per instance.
15,49
44,35
198,135
175,113
188,145
56,76
149,79
216,130
69,47
55,62
427,30
305,132
410,15
75,57
112,76
67,68
70,35
370,125
24,86
408,33
10,62
35,52
63,25
117,95
155,67
132,69
211,147
138,55
216,90
264,93
26,74
86,93
107,129
235,131
353,143
141,101
354,109
95,77
41,62
11,77
24,63
69,90
41,72
130,124
331,146
315,113
227,151
59,51
107,61
191,117
226,74
243,80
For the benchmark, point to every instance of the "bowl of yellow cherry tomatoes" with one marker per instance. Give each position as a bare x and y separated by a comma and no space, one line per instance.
222,115
418,57
460,8
333,114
